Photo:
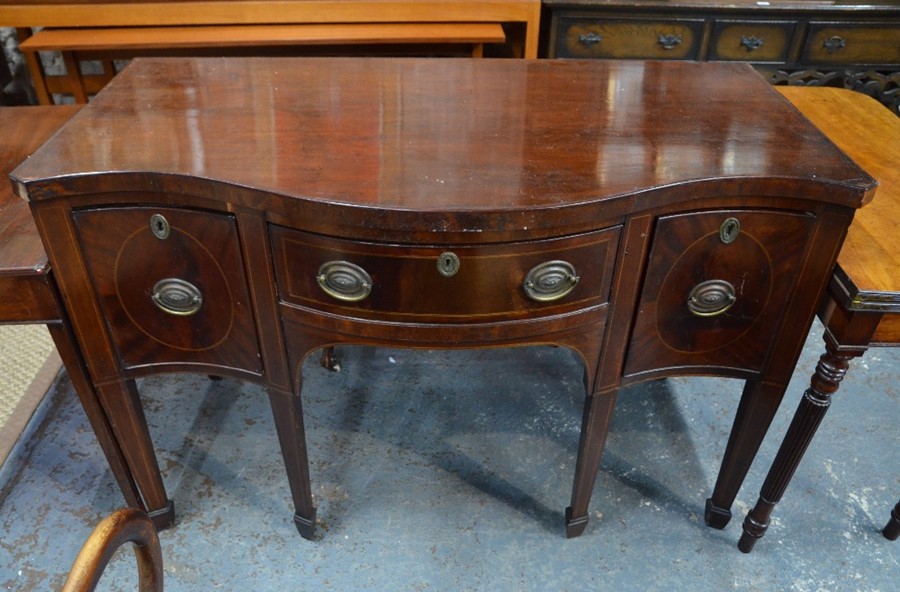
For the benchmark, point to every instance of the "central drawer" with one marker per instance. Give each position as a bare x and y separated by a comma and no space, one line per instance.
444,284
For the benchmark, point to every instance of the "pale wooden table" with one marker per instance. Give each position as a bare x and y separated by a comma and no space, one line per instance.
861,308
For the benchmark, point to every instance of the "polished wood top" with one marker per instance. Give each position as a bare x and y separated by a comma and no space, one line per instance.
870,134
413,142
24,129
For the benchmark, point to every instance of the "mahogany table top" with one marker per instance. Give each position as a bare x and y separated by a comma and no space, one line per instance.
24,129
387,135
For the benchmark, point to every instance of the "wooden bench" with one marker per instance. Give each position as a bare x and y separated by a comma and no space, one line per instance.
861,307
108,44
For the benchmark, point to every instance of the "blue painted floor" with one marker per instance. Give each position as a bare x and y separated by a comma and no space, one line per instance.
451,471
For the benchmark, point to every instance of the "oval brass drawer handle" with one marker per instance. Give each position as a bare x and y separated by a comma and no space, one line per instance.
711,298
344,281
550,281
177,297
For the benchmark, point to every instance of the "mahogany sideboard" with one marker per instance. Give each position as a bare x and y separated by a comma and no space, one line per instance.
845,43
231,216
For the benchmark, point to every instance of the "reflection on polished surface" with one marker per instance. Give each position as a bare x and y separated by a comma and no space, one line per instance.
476,143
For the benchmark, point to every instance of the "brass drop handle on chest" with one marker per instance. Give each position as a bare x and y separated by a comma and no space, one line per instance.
669,41
344,281
550,281
590,39
752,42
177,297
833,44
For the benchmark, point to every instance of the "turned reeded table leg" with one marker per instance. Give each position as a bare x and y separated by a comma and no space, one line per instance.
825,382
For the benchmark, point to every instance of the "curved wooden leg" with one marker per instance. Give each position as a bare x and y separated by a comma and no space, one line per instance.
288,412
594,428
124,526
830,371
892,528
756,410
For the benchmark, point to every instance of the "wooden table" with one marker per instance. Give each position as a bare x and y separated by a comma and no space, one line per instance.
861,308
200,218
28,290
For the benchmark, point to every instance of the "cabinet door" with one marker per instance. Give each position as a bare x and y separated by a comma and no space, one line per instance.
716,288
171,285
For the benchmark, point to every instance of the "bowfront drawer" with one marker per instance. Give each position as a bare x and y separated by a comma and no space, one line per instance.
629,38
171,284
852,44
751,41
715,289
466,284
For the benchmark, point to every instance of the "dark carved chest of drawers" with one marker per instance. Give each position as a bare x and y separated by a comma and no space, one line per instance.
844,43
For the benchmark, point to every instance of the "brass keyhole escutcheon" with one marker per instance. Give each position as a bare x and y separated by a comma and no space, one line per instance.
448,264
159,226
729,230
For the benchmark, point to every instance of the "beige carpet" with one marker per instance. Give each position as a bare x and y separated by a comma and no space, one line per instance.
28,366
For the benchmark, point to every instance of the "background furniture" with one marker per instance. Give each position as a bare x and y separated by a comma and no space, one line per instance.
861,308
109,44
846,43
440,203
359,19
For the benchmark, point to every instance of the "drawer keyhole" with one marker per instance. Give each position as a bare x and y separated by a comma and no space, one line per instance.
448,264
729,230
159,226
